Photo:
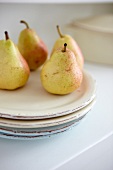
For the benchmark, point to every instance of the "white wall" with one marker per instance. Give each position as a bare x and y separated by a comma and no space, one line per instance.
44,17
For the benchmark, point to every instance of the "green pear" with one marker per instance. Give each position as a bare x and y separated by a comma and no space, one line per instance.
14,70
72,45
32,48
61,74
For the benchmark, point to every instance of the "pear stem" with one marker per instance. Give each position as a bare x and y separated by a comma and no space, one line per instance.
24,22
6,35
59,32
64,50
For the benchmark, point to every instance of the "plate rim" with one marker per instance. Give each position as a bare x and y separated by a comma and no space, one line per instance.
56,114
38,136
49,122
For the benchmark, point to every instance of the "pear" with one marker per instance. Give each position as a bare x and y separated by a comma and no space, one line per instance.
72,45
32,48
14,70
61,74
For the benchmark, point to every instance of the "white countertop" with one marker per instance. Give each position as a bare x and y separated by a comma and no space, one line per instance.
89,142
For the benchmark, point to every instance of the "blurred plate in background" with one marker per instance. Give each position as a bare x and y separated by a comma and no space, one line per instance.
94,35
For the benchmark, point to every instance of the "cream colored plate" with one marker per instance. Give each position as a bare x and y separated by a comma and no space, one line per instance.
33,102
37,134
43,132
45,122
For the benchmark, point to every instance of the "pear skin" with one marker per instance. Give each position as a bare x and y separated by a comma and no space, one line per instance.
72,45
61,73
32,48
14,70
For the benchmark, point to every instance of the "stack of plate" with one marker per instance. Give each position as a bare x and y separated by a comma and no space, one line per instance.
31,112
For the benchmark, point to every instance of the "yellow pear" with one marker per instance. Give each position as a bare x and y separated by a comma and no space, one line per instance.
72,45
32,48
61,73
14,71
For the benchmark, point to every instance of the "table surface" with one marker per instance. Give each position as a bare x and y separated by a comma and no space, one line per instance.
57,151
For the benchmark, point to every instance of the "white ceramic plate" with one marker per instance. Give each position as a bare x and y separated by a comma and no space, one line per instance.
39,135
98,28
44,132
39,131
29,124
33,102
